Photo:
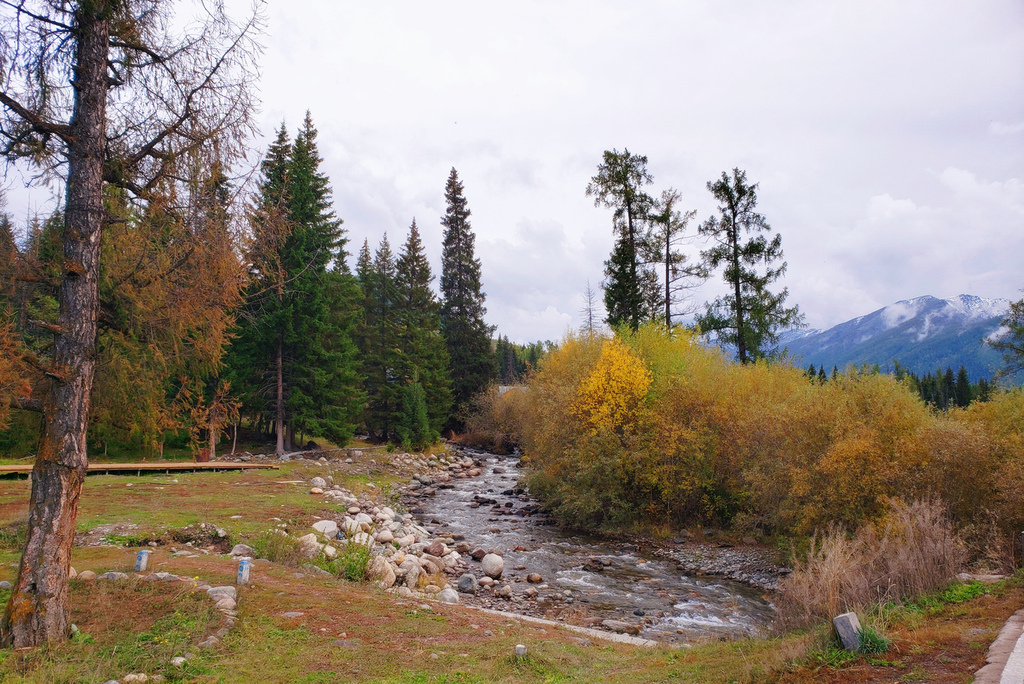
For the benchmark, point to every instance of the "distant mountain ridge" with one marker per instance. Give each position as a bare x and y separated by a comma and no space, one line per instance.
924,334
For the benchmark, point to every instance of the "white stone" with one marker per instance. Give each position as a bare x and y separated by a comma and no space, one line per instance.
309,545
412,572
848,627
492,565
226,591
381,571
226,604
349,526
318,482
384,537
448,595
520,651
327,528
362,538
330,552
364,521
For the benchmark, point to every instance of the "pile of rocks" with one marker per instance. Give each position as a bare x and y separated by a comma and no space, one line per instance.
405,557
751,565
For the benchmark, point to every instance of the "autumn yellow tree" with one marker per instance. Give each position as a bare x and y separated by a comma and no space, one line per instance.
611,396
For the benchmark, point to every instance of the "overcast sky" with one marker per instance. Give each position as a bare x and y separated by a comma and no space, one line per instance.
887,138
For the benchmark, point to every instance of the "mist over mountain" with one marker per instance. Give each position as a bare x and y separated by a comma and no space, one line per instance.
924,334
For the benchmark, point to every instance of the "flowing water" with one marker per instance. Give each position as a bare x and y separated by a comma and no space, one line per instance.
607,579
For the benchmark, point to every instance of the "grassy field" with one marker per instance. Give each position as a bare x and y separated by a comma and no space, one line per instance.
354,632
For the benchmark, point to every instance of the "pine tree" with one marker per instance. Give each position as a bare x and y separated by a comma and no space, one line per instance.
631,294
296,361
468,338
1011,342
255,361
750,316
425,354
984,390
948,388
668,234
962,390
380,342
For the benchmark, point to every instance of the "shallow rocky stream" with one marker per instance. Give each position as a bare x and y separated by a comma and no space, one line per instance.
593,578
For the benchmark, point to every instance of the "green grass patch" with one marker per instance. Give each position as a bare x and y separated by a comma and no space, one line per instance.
873,642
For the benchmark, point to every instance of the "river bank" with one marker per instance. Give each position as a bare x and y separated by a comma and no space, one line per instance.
676,592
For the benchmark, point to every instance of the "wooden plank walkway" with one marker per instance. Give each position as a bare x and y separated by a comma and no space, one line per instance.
149,467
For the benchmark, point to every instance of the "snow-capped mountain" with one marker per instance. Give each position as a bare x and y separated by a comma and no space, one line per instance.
924,334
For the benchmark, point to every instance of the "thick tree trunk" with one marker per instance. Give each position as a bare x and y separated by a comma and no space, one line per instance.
668,273
38,611
279,413
741,337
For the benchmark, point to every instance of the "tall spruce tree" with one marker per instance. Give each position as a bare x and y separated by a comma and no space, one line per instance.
425,354
631,292
379,341
962,391
751,315
255,361
664,246
468,338
295,362
324,398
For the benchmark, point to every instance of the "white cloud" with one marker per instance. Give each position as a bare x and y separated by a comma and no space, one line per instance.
1000,128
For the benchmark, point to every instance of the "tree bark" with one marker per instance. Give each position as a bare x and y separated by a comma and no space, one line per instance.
279,413
741,341
38,611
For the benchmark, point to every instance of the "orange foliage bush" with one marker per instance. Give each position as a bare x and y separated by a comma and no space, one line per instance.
652,427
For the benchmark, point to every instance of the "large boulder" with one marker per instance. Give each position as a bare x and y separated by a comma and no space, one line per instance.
364,521
431,564
467,584
412,572
309,546
436,548
492,565
328,528
448,595
380,571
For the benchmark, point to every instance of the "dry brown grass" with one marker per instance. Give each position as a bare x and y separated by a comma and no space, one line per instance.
913,551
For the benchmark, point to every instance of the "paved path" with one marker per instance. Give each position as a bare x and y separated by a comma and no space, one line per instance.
148,467
1005,655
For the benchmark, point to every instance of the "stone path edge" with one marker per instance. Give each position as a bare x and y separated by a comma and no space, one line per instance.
1007,644
596,633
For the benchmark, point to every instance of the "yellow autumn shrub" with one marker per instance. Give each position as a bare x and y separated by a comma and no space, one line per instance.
611,396
651,426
